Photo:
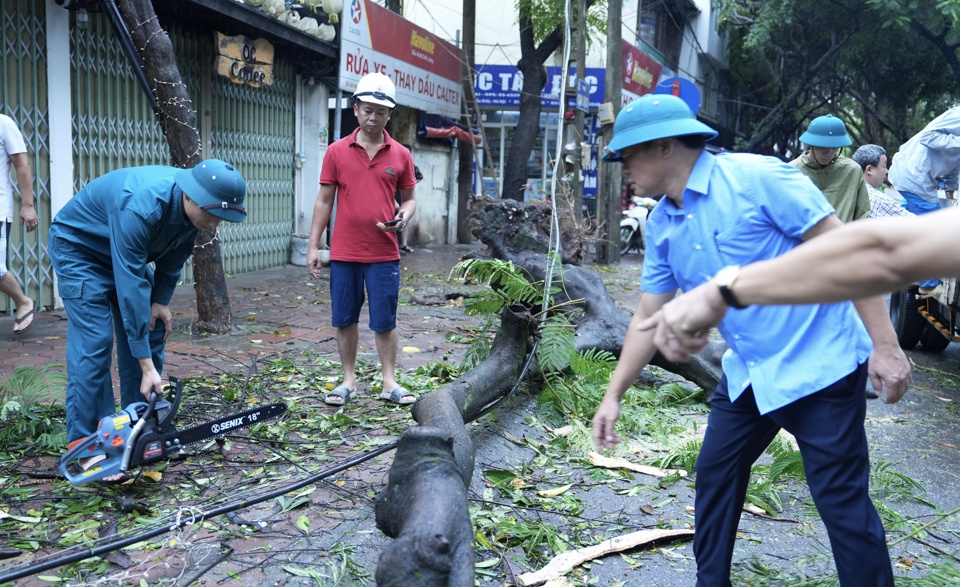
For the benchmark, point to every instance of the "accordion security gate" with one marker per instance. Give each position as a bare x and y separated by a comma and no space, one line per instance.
113,126
253,128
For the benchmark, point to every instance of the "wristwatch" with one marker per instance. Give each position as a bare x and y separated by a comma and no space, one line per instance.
725,278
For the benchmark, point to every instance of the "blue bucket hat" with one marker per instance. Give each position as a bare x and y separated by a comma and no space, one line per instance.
217,187
827,132
652,117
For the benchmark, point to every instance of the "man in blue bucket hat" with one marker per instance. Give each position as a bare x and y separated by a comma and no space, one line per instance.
839,178
803,369
101,244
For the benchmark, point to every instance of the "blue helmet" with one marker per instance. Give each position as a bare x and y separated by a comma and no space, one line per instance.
652,117
217,187
827,132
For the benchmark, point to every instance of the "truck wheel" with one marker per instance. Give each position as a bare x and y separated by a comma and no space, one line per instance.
907,321
932,339
625,235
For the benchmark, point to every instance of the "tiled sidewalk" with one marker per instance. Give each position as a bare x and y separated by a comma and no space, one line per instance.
274,310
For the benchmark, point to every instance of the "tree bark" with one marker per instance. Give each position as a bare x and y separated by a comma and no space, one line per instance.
424,506
179,121
602,325
532,58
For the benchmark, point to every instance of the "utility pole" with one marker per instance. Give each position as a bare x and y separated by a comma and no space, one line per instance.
579,30
466,149
608,196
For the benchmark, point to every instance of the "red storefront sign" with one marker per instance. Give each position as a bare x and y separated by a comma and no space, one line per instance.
640,73
425,69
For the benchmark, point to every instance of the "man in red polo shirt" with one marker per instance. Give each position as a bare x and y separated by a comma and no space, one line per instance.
362,173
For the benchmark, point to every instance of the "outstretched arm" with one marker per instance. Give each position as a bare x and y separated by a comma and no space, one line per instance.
638,349
857,260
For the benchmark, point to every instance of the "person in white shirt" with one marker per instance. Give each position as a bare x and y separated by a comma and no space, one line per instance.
929,161
873,160
15,154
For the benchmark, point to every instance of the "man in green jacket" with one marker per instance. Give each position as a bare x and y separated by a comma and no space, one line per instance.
839,178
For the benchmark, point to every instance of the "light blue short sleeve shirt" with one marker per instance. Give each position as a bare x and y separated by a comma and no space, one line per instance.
737,209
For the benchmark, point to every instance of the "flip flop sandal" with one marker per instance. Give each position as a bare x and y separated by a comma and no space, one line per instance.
338,396
399,395
31,315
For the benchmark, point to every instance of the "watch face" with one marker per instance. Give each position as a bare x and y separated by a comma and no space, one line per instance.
727,275
724,279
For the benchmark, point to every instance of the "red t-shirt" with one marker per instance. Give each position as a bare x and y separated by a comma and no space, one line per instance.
365,196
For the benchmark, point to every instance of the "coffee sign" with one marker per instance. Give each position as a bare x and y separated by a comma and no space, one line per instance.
245,61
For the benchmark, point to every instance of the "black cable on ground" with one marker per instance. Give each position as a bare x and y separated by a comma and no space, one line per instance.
34,568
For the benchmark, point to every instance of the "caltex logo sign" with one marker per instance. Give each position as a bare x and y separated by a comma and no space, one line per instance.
356,11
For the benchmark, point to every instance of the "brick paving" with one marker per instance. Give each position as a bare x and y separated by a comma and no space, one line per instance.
277,311
274,310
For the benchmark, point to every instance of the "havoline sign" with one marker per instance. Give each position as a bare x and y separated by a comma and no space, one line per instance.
425,69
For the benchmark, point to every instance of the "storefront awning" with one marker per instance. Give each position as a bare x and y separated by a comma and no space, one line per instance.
310,56
431,126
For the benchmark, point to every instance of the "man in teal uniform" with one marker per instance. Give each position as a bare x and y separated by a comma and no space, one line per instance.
101,245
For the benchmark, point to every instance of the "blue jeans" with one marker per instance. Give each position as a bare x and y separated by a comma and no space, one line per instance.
919,206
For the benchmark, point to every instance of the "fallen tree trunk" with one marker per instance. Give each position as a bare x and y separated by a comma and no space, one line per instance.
424,506
519,233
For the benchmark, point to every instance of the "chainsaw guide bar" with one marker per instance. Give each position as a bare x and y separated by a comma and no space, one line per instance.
143,433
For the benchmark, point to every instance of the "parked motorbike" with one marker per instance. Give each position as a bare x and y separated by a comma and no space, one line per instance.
633,225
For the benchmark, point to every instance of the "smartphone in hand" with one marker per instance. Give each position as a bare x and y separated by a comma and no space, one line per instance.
393,222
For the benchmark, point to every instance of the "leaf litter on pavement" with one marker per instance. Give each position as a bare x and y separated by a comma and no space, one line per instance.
545,499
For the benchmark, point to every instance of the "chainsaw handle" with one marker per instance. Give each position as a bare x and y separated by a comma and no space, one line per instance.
135,433
75,452
167,421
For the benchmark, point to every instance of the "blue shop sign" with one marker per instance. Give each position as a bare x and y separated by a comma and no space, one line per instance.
499,85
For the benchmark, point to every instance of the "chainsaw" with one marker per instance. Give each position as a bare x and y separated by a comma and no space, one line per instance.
143,432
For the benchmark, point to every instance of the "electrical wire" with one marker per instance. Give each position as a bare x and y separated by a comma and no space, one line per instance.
554,239
182,520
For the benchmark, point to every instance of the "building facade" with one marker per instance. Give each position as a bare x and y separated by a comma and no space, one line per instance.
77,98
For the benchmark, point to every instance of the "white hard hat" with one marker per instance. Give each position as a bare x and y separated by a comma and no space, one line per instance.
376,88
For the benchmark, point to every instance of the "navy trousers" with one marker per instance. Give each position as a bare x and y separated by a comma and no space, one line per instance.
828,426
93,319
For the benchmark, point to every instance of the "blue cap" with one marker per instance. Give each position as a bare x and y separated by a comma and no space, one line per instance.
652,117
217,187
827,132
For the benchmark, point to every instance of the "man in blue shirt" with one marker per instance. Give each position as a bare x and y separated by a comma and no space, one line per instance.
101,244
800,368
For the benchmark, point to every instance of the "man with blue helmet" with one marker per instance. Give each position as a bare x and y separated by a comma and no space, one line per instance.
803,369
839,178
